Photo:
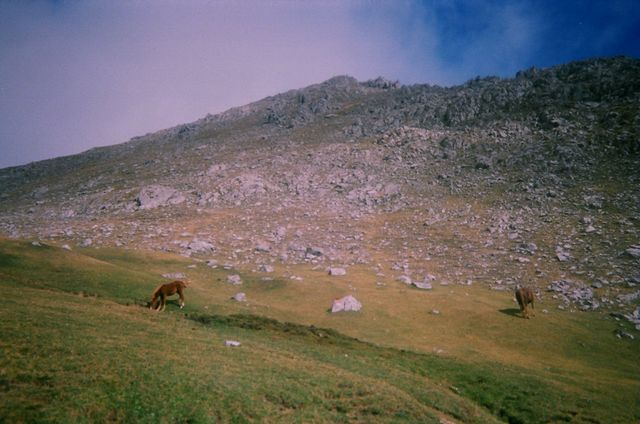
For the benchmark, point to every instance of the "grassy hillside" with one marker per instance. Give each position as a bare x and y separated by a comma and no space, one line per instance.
78,345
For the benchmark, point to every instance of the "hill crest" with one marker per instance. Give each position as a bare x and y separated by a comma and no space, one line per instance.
410,180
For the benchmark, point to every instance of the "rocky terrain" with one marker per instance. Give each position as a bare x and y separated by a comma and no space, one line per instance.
529,180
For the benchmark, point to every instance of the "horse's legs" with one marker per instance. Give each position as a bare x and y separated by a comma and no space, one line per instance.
181,298
163,301
154,303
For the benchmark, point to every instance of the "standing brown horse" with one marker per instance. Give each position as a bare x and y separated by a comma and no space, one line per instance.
524,296
165,290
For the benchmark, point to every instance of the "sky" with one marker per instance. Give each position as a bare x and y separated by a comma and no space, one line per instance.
80,74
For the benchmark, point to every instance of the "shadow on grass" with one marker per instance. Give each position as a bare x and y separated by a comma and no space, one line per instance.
514,312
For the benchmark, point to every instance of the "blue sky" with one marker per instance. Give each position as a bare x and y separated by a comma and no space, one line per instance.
80,74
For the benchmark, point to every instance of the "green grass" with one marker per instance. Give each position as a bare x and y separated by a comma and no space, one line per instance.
77,345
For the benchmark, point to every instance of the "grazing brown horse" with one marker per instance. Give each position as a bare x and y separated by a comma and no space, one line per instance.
524,296
165,290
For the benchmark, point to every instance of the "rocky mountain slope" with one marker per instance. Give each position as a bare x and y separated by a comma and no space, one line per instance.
534,179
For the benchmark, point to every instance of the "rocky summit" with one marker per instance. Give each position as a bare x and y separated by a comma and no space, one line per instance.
527,180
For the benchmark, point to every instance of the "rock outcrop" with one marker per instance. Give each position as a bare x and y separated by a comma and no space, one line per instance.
494,181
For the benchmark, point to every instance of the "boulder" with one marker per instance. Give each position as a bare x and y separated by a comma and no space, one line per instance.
234,279
404,279
334,271
239,297
314,252
529,248
201,246
347,303
634,251
629,297
423,285
634,317
262,246
266,268
153,196
562,254
484,162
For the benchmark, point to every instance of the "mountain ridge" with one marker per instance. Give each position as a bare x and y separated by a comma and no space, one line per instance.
566,71
407,180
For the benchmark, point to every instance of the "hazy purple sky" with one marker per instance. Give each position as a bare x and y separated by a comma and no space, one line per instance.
80,74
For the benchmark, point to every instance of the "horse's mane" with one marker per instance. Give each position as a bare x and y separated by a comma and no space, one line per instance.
157,291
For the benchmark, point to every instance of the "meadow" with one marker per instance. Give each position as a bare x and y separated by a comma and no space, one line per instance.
79,344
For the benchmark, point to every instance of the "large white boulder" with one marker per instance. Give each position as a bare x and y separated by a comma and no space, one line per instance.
347,303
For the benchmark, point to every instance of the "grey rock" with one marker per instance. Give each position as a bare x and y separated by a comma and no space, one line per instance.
634,318
484,162
201,246
621,334
154,196
39,192
382,83
239,297
405,279
576,293
314,252
529,248
347,303
334,271
629,297
266,268
234,279
297,246
633,251
562,254
262,246
423,285
232,343
594,201
175,276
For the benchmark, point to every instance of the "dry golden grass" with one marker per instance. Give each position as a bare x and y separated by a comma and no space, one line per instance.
105,360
